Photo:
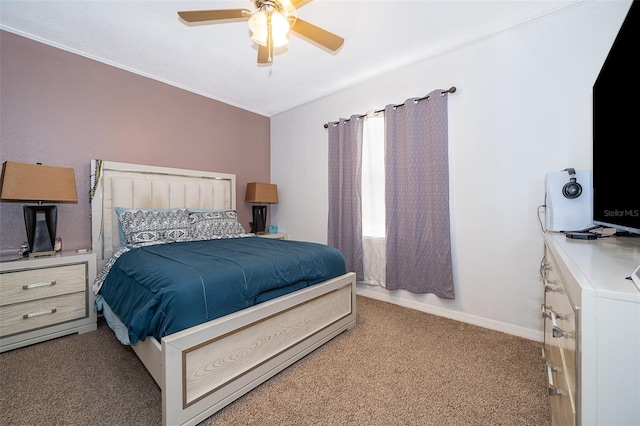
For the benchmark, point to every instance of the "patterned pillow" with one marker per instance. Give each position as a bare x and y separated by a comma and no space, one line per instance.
143,226
215,225
120,210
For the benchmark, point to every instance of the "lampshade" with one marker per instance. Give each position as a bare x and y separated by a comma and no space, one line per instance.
260,29
35,182
264,193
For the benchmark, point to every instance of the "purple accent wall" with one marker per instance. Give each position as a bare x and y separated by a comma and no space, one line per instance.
62,109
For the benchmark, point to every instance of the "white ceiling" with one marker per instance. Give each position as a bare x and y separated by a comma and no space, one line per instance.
219,60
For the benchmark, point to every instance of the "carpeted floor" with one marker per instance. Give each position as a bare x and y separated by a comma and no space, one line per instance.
396,367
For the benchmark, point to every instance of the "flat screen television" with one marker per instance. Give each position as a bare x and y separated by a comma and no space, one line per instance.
616,131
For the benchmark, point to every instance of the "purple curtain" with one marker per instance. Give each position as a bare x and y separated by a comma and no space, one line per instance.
345,176
417,197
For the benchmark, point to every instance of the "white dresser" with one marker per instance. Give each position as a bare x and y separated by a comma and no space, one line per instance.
46,297
591,317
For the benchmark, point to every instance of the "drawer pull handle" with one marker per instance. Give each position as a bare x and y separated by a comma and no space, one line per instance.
543,311
555,316
558,332
40,284
544,268
553,391
39,313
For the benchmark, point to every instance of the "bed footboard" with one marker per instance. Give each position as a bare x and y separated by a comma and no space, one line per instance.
209,366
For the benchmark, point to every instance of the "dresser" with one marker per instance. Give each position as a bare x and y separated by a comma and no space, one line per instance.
47,297
591,315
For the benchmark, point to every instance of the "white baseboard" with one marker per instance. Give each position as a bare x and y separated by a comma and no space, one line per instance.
454,315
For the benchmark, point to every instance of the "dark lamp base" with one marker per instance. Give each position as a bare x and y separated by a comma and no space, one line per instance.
41,222
258,226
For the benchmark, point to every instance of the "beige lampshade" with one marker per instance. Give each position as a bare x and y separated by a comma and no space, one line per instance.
264,193
35,182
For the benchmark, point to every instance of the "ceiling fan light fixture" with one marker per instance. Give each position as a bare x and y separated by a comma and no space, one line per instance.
260,30
269,25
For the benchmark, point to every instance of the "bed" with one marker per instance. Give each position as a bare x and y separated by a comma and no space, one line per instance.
202,368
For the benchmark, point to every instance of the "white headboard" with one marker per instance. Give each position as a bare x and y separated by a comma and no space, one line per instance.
139,186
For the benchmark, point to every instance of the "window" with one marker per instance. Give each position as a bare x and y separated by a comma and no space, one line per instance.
373,201
373,216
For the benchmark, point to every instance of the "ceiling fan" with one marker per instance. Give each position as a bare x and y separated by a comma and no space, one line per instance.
269,24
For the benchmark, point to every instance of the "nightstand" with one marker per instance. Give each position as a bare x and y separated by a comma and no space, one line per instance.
46,297
276,236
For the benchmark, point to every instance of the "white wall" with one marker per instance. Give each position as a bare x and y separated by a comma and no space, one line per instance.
522,108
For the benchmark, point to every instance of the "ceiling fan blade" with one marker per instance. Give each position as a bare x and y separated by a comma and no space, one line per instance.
318,35
214,15
299,3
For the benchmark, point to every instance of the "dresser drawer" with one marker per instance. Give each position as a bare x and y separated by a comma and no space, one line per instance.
562,406
31,315
25,285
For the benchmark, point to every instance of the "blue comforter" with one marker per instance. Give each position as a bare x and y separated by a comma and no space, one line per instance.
160,289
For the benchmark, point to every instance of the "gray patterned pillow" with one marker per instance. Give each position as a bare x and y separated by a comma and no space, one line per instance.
215,225
142,226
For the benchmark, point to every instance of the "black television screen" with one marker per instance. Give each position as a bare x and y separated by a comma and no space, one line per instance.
616,131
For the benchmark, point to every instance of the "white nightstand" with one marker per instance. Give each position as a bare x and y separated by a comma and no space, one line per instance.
276,236
46,297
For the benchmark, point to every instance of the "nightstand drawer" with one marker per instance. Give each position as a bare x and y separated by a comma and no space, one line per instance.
276,236
25,285
21,317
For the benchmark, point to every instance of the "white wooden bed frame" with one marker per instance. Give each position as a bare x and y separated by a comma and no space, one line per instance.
204,368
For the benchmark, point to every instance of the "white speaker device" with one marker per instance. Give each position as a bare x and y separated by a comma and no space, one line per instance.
569,200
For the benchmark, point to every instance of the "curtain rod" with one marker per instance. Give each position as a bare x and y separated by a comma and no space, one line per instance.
452,89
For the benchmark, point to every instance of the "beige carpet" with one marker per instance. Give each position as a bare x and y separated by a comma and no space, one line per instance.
396,367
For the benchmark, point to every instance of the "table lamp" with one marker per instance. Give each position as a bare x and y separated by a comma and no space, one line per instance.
37,183
260,193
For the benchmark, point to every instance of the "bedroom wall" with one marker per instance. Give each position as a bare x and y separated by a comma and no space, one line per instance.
62,109
523,108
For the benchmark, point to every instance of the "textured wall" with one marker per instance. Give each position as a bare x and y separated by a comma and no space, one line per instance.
62,109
